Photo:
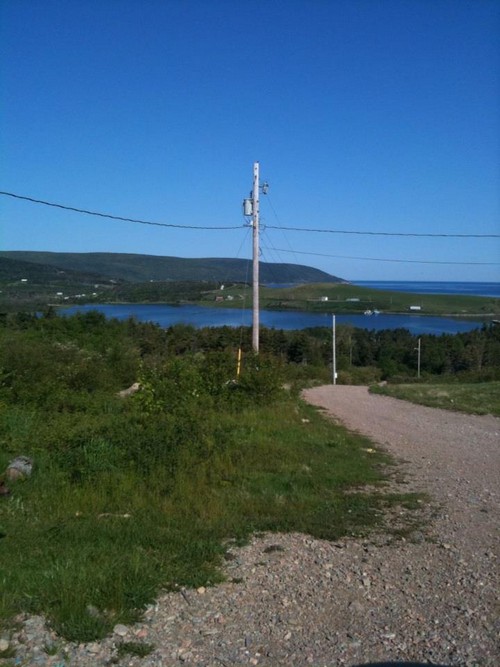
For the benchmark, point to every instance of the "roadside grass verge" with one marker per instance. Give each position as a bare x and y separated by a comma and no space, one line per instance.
479,398
97,531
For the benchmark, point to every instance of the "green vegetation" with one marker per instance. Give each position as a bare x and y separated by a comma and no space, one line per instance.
480,398
139,649
132,496
34,280
142,268
346,298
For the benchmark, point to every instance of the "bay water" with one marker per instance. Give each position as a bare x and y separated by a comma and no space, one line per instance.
199,316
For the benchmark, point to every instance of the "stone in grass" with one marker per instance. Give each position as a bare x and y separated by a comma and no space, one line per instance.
133,389
4,645
120,630
19,468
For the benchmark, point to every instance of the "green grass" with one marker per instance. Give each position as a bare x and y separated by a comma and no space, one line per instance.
138,649
307,298
480,398
112,538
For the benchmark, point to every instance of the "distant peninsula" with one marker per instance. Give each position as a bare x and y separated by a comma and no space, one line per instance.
136,268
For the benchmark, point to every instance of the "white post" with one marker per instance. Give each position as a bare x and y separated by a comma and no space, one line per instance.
334,354
255,281
418,361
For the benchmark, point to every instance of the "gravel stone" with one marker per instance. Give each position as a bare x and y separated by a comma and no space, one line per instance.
293,600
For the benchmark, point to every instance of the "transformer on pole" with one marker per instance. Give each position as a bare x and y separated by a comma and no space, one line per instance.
251,209
255,274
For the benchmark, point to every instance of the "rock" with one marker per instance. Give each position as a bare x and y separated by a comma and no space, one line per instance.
4,645
141,633
133,389
93,611
19,468
120,630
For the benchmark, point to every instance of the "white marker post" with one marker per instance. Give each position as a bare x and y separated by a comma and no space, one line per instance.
334,355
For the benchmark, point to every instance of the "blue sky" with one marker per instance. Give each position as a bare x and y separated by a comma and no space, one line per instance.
365,115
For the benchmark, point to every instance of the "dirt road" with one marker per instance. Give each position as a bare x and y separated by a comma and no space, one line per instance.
453,456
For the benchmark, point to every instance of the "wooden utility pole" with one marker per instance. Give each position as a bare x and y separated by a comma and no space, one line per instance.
255,281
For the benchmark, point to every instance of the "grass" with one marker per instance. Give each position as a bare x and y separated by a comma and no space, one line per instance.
92,550
139,649
308,298
478,398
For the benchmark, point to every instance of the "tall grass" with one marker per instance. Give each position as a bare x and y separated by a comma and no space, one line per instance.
481,398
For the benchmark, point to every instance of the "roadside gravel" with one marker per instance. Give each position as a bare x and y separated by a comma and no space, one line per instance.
293,600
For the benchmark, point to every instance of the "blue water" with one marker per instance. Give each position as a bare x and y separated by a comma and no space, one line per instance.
434,287
200,316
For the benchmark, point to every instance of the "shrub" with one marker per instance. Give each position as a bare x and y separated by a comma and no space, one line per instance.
362,375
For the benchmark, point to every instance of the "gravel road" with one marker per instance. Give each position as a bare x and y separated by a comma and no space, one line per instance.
296,601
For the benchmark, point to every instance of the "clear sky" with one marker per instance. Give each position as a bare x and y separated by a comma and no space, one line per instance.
365,115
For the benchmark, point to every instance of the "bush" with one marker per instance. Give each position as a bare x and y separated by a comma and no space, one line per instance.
363,375
261,381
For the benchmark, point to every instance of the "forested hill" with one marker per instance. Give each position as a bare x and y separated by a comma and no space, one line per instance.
13,269
141,268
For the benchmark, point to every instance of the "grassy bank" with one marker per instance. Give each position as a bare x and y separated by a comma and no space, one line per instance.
129,497
479,398
93,536
346,298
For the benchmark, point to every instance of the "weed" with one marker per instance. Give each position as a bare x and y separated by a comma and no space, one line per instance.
138,649
9,652
53,648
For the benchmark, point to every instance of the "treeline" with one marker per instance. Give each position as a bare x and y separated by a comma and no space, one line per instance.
121,347
159,292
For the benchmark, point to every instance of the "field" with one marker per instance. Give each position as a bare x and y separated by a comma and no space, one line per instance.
346,298
132,496
479,398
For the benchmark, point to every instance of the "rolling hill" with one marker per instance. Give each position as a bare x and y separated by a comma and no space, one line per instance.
143,268
14,270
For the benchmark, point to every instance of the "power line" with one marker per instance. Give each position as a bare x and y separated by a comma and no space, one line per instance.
111,217
349,231
269,201
379,259
280,227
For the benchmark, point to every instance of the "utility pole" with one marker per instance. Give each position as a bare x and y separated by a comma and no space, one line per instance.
251,210
418,348
255,275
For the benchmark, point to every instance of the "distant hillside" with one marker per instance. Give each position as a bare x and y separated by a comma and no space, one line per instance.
18,270
141,268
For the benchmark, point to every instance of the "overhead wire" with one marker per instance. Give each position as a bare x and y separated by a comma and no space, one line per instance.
280,227
363,233
269,201
113,217
380,259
